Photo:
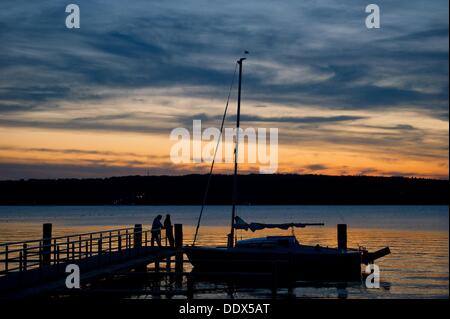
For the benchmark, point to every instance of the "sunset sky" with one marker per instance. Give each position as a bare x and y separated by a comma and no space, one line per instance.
102,100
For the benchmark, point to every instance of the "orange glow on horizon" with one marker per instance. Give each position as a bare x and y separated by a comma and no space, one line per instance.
147,151
400,143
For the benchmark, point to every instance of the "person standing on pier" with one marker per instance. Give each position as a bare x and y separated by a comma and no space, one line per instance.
156,231
169,231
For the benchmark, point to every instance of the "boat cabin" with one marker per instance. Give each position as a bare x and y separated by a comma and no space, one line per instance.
269,242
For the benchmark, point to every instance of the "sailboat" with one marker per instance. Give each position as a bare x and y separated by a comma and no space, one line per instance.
283,254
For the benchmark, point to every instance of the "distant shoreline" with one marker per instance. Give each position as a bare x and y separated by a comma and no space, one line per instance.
254,189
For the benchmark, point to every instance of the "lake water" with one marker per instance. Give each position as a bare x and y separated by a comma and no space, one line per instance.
418,266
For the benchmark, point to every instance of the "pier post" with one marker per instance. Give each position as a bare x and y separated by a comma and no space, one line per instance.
25,252
137,236
178,254
46,243
178,235
342,236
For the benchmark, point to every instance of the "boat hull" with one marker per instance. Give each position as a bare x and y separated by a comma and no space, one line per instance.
331,264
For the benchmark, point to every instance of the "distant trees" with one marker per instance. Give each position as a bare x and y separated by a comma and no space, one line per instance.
277,189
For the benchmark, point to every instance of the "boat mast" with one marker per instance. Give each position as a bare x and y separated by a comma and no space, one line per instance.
233,212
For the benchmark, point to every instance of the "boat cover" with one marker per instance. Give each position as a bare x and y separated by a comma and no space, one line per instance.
241,224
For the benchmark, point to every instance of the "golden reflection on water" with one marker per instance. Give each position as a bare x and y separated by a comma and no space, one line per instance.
418,266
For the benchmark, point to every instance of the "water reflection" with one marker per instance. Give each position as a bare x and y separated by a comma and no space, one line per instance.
417,268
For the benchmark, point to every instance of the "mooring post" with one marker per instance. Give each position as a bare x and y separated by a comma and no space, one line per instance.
342,236
137,236
179,254
178,235
46,243
25,252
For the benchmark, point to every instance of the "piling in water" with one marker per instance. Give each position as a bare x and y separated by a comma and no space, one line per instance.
46,243
342,236
137,236
178,236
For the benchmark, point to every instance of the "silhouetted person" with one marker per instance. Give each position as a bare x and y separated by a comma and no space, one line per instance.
156,230
169,231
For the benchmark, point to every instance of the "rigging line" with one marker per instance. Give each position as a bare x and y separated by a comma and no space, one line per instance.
205,195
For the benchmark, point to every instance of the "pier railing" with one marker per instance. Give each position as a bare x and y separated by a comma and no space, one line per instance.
30,254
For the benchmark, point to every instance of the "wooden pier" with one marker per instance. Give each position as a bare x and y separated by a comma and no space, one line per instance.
35,267
123,263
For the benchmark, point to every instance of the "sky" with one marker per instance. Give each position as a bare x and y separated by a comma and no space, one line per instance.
102,100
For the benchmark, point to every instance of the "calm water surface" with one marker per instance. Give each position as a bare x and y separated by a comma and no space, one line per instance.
417,235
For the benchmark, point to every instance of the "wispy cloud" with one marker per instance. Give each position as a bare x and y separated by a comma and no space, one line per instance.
147,67
157,45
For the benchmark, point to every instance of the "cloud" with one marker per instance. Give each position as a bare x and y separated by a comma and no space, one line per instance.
25,171
303,54
316,167
159,45
72,151
283,119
